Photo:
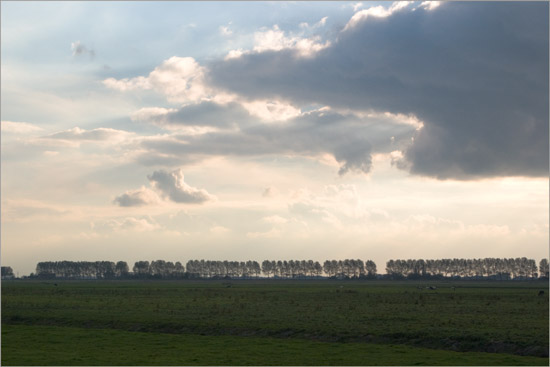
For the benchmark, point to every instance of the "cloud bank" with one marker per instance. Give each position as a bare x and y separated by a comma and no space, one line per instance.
351,139
476,74
474,77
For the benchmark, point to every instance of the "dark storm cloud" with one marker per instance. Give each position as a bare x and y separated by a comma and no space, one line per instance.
475,73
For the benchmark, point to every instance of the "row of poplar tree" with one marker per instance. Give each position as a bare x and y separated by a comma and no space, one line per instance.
349,268
469,268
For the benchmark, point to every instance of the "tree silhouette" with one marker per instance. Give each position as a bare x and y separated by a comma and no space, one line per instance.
543,268
7,272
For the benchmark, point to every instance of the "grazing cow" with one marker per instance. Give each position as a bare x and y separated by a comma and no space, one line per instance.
433,288
541,293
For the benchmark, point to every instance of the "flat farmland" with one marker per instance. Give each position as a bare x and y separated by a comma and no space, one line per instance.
267,322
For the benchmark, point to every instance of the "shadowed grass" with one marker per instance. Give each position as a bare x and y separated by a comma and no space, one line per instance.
47,345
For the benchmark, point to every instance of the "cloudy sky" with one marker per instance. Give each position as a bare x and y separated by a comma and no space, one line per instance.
273,130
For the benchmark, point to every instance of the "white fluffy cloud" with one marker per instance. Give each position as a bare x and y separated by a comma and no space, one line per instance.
430,5
376,11
275,39
180,79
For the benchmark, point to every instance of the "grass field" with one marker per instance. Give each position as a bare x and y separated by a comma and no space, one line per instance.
273,323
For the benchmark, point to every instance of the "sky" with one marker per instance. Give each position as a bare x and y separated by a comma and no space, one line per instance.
273,130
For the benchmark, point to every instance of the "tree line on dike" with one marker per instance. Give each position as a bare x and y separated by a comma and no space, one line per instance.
488,268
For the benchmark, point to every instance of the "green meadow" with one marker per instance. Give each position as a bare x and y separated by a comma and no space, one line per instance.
274,323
